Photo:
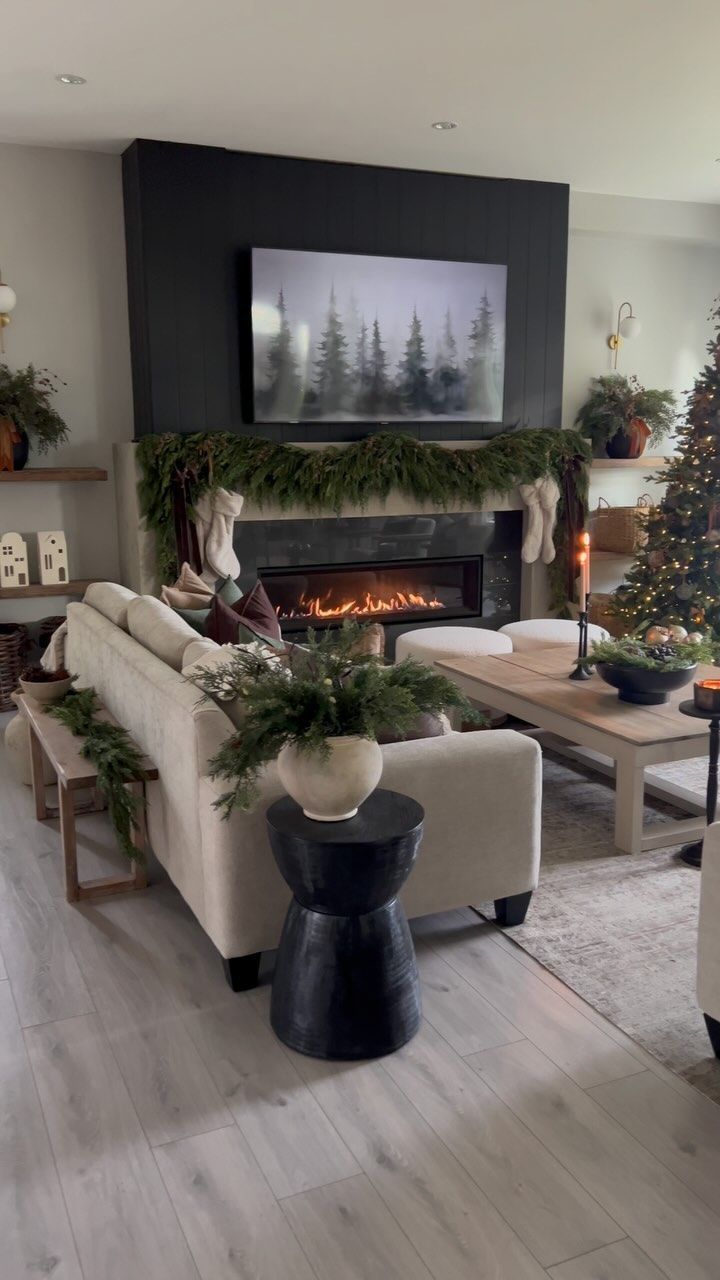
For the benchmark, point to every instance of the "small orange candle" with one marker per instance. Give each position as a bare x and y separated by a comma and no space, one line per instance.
706,694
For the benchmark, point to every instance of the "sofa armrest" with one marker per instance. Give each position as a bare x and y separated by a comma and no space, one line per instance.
481,793
708,971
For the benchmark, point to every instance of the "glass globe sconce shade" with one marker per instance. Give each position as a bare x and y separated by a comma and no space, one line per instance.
628,326
8,299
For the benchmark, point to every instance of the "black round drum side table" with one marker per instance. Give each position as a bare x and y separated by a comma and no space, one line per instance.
345,982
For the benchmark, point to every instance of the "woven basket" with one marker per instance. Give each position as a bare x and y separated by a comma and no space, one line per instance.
620,529
13,648
598,612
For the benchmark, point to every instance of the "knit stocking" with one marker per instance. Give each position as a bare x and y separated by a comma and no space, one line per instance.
534,529
549,497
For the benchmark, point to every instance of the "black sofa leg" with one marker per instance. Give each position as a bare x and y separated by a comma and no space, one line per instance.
512,910
713,1028
242,971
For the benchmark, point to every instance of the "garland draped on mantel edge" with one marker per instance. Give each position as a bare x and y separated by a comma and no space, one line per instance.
325,479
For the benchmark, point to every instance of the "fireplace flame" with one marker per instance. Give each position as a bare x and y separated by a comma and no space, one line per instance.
363,607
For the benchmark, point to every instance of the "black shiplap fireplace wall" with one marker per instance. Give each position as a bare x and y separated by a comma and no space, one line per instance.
192,213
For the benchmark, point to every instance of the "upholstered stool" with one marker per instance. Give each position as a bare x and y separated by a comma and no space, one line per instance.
427,644
546,633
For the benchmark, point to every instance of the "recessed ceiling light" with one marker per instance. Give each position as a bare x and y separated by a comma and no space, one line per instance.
444,124
66,78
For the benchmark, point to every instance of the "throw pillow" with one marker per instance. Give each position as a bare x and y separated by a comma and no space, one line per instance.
193,607
188,592
253,613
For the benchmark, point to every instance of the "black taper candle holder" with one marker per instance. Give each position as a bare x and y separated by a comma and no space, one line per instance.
579,672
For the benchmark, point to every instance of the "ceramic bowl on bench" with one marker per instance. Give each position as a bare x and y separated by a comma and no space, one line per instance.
636,684
46,690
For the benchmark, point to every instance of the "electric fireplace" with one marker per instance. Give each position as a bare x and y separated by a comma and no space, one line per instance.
396,591
425,570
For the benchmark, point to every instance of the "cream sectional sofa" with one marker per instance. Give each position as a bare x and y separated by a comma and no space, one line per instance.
481,791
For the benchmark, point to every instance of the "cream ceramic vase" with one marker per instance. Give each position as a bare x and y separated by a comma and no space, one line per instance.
330,788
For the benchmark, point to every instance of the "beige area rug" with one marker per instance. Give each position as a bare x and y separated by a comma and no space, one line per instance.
621,929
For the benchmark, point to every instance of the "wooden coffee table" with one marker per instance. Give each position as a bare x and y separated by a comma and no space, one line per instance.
586,720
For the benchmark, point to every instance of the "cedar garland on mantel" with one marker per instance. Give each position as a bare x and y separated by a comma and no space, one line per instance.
324,480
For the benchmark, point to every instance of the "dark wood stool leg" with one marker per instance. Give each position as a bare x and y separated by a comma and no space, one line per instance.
512,910
713,1030
242,971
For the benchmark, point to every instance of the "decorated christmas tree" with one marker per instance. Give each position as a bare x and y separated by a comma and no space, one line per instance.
676,578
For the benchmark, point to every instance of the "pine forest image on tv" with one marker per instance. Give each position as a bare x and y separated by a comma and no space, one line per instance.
349,337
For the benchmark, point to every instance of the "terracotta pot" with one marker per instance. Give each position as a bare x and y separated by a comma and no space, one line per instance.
630,443
331,788
14,446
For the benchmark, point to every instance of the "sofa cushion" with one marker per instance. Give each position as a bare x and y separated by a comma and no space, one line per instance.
111,600
158,628
219,656
197,648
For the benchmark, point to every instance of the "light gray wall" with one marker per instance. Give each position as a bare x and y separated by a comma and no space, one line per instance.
62,249
664,258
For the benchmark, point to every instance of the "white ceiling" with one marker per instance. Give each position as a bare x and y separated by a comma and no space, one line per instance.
616,96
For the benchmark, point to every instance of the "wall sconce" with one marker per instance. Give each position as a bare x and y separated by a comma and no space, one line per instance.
627,327
8,298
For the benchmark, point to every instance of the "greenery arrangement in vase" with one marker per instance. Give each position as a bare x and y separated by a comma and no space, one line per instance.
27,417
621,416
319,710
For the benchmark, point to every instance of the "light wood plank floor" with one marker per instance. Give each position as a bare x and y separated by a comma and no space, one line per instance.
153,1128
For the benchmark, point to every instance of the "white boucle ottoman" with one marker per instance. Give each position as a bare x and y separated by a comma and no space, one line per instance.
427,644
546,633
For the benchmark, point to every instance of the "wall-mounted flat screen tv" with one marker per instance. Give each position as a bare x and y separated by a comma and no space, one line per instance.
340,337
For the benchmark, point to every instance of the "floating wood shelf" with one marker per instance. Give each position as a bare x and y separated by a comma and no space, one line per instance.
610,555
619,464
52,475
77,587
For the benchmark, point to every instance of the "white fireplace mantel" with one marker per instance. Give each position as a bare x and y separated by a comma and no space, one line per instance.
138,561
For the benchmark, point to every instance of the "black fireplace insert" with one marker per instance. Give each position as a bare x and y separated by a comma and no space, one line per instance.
391,590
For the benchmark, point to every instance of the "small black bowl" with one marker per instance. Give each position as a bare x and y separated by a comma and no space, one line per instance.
636,684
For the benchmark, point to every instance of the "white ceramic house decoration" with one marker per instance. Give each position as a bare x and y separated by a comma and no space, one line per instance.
52,557
13,561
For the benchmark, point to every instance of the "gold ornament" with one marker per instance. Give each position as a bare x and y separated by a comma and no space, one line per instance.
694,637
677,634
657,635
697,617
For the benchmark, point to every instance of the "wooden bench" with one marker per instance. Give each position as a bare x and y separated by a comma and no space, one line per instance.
50,738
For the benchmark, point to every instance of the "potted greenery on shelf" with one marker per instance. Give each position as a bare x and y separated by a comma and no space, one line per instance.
27,418
319,710
621,416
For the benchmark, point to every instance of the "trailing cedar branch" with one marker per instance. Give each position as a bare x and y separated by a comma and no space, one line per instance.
326,480
114,755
